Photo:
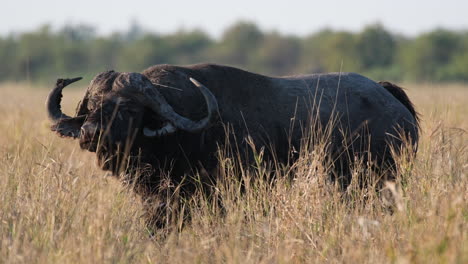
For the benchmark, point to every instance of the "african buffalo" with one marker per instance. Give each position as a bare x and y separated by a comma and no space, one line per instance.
173,118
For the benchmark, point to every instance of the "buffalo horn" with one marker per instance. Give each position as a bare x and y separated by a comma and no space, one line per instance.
165,130
160,106
62,123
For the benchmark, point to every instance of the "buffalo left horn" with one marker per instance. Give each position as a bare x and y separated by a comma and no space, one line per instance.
159,105
62,123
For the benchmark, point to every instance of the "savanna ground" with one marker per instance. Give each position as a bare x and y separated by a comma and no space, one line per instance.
56,206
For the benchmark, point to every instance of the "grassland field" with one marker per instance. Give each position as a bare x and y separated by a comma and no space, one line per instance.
57,206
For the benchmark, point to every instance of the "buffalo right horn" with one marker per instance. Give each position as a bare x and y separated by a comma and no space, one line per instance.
159,105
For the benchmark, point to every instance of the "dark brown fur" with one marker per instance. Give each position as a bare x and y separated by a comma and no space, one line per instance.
253,106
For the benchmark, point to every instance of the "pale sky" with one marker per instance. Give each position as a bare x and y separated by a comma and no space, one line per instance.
297,17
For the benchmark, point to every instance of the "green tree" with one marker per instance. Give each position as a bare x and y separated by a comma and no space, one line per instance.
72,48
44,54
10,67
333,51
312,60
188,46
149,50
238,45
105,52
423,58
36,54
376,47
457,69
277,55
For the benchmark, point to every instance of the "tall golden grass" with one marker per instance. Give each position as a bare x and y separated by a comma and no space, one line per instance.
56,206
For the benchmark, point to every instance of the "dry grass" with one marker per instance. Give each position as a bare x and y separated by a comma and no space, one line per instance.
57,206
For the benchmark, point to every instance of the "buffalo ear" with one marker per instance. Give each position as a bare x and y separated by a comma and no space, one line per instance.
82,107
69,127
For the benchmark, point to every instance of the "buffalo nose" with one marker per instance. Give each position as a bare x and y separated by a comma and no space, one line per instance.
89,136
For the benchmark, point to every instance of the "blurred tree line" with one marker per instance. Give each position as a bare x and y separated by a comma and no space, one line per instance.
44,54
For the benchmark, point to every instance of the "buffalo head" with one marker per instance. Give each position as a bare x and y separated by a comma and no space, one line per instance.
117,109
